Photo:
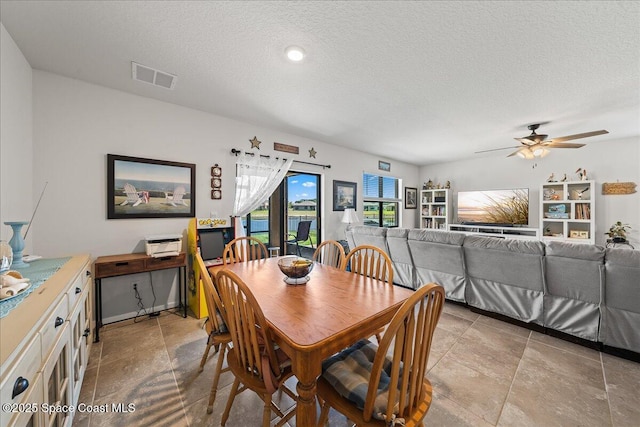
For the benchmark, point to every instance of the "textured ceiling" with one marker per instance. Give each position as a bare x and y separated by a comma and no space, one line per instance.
421,82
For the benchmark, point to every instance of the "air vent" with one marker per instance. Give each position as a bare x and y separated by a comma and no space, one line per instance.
145,74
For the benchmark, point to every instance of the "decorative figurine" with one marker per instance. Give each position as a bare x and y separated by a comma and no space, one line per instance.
582,174
564,178
551,178
429,185
447,185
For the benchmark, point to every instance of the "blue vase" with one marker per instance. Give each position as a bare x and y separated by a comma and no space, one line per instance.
17,243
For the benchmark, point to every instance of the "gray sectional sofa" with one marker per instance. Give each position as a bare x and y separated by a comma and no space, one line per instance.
578,290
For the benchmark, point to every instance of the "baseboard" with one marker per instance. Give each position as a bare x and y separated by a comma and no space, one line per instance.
622,353
507,319
594,345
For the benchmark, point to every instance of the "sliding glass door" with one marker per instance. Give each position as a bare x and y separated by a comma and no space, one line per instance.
302,203
276,222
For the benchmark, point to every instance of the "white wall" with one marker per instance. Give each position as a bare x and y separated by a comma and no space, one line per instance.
16,146
76,124
605,161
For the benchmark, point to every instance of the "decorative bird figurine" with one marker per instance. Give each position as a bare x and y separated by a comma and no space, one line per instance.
551,178
564,178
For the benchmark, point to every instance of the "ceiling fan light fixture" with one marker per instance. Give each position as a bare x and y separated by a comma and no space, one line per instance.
525,153
540,151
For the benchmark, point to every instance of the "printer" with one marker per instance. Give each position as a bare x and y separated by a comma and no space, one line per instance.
163,245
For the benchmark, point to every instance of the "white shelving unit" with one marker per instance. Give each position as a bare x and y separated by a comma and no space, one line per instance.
567,211
434,209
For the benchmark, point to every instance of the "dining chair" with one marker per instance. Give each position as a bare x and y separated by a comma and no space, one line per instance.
243,249
303,233
329,252
386,384
254,359
218,335
370,261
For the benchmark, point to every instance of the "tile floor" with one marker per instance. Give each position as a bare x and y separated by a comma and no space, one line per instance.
484,372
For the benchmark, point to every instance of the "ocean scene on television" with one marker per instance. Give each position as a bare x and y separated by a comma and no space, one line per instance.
494,207
155,188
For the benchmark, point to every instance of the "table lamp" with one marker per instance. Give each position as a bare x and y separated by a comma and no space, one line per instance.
349,217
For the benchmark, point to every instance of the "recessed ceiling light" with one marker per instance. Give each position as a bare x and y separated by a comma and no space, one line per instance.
295,53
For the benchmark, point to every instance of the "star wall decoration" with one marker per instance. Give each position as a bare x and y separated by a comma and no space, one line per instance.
255,143
312,153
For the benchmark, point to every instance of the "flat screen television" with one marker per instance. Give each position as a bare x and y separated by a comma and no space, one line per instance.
494,207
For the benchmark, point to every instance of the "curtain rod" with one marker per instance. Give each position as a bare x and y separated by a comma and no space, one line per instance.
236,152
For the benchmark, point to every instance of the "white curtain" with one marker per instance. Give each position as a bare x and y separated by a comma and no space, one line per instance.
256,178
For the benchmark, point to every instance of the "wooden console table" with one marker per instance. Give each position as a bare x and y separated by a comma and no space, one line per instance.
120,265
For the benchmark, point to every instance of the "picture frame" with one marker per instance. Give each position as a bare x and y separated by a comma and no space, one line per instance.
148,188
410,198
384,166
345,195
578,234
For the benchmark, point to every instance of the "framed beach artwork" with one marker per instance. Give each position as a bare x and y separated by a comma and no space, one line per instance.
148,188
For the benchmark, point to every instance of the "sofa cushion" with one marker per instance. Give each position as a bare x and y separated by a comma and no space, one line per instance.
515,263
622,267
505,276
374,236
621,311
438,258
575,271
574,275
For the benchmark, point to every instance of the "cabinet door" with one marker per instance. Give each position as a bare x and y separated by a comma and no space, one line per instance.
32,415
56,377
21,385
77,350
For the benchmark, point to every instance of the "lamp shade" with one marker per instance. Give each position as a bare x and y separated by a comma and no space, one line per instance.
349,216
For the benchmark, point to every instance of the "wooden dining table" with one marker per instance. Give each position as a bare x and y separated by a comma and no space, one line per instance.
313,321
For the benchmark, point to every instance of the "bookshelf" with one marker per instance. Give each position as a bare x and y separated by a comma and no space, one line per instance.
434,209
567,211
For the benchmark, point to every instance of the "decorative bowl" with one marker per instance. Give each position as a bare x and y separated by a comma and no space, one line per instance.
296,269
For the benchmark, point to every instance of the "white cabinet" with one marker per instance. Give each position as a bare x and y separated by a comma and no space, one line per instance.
44,347
434,209
520,233
567,211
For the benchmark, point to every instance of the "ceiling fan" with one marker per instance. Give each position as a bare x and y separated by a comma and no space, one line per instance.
537,145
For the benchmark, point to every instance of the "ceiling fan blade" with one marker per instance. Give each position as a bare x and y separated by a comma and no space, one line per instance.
563,145
496,149
579,135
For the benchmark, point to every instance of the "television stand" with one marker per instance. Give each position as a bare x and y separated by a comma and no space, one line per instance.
511,232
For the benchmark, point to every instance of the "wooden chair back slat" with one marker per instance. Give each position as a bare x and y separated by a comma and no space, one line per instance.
329,252
243,249
369,261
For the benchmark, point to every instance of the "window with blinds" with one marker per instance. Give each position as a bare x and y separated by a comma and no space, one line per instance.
381,196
